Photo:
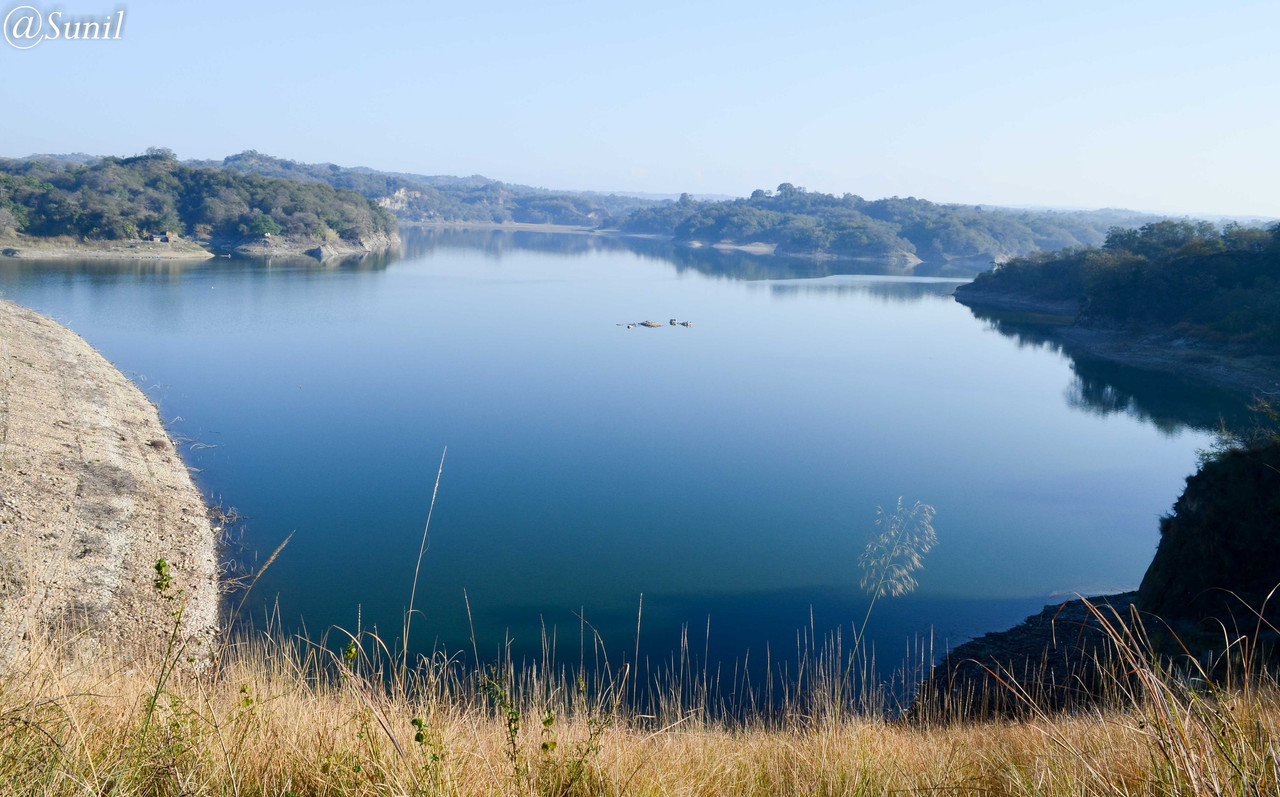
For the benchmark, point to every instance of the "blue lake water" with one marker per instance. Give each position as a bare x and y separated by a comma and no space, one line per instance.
729,470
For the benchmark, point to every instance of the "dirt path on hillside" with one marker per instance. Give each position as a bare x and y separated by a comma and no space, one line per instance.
92,493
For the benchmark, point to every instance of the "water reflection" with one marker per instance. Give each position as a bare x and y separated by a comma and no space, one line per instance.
156,270
887,289
1167,401
418,242
727,263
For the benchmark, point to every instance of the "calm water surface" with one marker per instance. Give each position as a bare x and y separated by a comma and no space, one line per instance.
730,470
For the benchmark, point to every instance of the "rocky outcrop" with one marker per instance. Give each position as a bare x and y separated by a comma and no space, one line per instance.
1056,659
334,248
1219,551
399,201
92,494
1218,561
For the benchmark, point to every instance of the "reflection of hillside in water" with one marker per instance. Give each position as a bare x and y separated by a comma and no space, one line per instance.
104,270
884,288
1101,387
729,264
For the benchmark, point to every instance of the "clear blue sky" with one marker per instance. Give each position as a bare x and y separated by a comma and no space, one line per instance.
1168,106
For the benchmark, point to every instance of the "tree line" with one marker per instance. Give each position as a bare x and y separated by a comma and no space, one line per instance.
254,194
806,222
1185,277
128,198
796,221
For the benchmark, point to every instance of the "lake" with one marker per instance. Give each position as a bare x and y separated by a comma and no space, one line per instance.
729,471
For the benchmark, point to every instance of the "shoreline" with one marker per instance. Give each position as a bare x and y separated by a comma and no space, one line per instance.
1052,655
1221,366
65,249
1014,302
27,248
94,493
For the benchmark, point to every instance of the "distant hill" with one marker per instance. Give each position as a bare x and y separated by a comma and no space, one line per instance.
952,238
804,222
793,220
418,198
669,197
155,194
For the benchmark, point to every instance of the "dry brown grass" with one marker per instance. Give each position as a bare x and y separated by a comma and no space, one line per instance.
283,716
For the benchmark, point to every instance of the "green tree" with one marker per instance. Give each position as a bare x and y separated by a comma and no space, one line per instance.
263,225
168,222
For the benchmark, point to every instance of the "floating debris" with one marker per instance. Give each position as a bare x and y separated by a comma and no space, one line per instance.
686,323
650,324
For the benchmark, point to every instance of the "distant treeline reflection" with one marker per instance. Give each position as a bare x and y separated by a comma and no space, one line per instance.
727,263
1101,387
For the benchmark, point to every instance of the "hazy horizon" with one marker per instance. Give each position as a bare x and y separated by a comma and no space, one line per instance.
1159,107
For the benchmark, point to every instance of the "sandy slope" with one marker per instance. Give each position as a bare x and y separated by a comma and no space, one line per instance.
92,493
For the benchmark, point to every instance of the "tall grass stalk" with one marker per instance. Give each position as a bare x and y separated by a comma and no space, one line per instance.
417,569
888,563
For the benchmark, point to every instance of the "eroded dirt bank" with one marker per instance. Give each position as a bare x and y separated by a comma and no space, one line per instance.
92,493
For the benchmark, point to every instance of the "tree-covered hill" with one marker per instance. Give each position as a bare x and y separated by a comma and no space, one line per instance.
415,197
795,221
804,222
1186,278
126,198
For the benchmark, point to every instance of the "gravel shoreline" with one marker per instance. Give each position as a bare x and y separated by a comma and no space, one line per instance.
33,248
62,249
92,494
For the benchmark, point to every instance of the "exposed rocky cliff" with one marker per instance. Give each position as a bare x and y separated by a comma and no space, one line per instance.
334,247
